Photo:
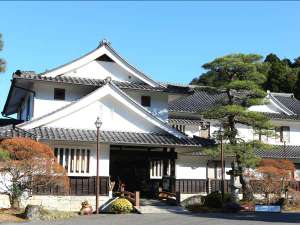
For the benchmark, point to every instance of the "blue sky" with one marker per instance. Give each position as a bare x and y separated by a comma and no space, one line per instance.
167,40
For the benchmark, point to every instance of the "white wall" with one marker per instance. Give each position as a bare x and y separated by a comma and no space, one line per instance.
159,102
113,113
44,100
194,167
101,70
192,130
246,132
62,203
268,108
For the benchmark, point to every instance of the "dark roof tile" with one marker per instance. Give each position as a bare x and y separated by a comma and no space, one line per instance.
280,152
197,102
85,81
114,137
289,102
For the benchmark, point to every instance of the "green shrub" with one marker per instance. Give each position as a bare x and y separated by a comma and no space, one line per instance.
214,199
227,198
121,205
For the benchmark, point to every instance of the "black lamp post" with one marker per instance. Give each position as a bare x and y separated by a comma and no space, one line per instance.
98,124
221,134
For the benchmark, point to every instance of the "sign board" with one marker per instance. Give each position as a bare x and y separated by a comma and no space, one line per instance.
267,208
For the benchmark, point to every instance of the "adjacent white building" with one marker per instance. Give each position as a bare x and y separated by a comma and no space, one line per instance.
149,134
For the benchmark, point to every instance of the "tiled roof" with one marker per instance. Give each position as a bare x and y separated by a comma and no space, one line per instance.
281,116
280,151
289,102
114,137
197,102
203,100
29,75
185,121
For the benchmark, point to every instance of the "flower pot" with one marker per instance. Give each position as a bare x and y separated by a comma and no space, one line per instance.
88,210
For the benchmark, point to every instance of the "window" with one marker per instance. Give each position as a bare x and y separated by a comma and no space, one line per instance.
73,160
282,134
156,169
59,94
146,101
181,128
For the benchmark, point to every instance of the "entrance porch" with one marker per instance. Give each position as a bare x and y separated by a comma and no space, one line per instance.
148,170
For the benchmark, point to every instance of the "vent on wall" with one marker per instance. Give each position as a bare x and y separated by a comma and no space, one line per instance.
104,58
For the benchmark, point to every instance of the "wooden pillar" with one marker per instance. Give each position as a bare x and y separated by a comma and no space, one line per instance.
137,198
165,163
172,162
178,201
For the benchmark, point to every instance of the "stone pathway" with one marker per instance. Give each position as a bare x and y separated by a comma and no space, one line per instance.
157,206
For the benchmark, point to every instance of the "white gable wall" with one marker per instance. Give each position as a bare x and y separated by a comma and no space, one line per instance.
101,70
44,100
119,109
113,113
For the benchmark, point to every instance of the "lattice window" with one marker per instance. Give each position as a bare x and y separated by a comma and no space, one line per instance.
156,169
76,161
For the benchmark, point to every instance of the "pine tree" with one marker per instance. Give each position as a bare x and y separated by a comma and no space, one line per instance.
2,62
239,78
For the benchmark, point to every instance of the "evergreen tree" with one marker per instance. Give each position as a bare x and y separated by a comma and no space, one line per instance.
240,80
297,87
2,62
296,63
280,77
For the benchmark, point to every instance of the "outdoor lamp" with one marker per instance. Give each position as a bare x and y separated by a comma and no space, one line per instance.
98,124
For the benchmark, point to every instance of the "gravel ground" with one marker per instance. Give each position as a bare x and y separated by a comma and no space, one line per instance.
182,219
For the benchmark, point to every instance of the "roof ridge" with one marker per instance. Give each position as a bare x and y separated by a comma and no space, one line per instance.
283,94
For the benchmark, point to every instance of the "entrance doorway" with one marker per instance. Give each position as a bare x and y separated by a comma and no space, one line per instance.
139,169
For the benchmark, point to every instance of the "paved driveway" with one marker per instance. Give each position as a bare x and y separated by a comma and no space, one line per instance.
180,219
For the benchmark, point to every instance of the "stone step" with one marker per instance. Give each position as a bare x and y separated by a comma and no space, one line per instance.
160,209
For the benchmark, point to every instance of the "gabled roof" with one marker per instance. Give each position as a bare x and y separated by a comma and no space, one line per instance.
24,75
111,88
200,101
287,101
204,100
103,49
112,137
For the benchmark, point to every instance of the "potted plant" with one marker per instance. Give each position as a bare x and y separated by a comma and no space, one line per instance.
86,208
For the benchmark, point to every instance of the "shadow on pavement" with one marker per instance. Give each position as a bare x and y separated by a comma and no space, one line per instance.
258,216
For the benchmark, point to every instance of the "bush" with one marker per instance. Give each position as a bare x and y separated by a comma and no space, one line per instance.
214,199
121,205
227,198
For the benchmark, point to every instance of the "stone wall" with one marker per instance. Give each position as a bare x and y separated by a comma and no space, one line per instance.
63,203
